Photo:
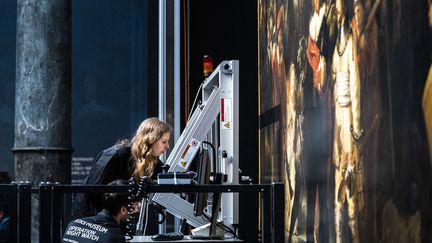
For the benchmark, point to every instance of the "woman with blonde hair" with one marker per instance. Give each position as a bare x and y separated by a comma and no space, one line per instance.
150,141
124,160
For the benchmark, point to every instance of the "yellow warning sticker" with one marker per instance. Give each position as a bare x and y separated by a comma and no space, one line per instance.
183,163
226,125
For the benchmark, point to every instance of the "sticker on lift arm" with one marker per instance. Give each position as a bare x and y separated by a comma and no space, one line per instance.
226,113
189,153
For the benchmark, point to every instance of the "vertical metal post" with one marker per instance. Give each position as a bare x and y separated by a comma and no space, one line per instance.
162,73
278,212
162,59
12,193
186,40
229,127
265,215
177,89
57,221
45,205
24,213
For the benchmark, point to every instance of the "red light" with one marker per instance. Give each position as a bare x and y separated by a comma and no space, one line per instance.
208,65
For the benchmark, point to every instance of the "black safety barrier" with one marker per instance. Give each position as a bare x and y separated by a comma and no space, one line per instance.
52,218
18,199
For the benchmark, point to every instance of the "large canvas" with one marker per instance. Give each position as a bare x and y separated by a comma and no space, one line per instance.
345,117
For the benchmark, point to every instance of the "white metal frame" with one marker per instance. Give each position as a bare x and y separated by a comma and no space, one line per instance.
216,117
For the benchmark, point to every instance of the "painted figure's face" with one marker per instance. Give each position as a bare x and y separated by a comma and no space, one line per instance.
359,15
340,10
161,145
316,5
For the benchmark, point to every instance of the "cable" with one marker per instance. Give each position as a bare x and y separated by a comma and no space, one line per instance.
146,216
137,192
193,104
221,225
130,225
214,154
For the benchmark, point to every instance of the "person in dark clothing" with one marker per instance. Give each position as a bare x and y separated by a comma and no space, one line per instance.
104,226
4,223
124,160
111,164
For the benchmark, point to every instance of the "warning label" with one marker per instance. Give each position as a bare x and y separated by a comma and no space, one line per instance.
194,143
226,125
189,153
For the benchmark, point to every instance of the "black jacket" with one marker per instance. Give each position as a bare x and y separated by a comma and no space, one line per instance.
111,164
99,228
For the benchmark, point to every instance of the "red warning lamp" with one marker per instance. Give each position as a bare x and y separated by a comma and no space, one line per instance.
208,65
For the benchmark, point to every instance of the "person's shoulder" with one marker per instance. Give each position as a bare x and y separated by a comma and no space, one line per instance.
4,223
83,220
124,152
123,148
94,219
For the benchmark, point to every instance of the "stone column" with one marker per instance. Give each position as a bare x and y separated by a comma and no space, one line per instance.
43,95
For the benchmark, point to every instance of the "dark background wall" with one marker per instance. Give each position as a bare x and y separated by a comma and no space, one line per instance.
114,75
8,11
228,30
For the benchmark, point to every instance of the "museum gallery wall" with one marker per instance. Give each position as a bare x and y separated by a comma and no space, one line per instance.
345,103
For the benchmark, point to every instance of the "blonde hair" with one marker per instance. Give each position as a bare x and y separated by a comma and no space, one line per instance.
148,133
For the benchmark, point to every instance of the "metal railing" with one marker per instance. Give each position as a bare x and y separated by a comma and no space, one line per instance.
53,218
18,196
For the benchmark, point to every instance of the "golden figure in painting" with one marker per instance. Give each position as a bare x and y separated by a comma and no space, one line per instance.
347,128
